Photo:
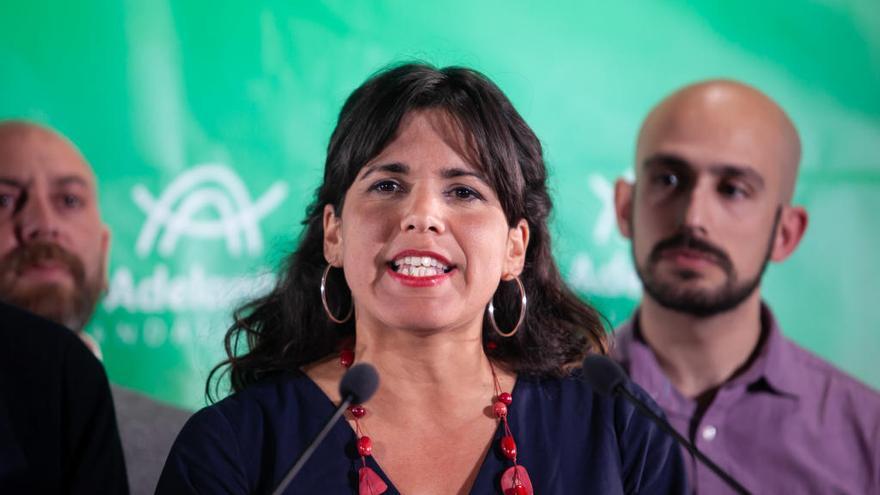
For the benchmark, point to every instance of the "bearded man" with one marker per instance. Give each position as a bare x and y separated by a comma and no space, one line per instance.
710,206
53,263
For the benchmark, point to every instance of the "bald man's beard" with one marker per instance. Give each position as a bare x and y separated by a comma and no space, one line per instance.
699,302
71,307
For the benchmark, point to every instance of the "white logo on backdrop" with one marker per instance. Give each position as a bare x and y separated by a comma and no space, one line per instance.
606,221
207,202
208,186
616,277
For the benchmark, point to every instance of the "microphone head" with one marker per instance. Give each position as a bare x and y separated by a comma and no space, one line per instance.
359,382
603,374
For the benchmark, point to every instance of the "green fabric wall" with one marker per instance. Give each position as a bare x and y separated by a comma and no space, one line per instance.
218,114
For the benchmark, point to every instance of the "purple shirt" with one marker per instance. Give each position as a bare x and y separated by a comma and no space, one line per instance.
789,424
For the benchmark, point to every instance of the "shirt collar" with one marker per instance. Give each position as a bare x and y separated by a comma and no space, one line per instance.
776,362
775,367
639,361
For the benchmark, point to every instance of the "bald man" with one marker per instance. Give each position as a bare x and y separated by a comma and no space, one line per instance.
57,424
716,164
53,262
53,245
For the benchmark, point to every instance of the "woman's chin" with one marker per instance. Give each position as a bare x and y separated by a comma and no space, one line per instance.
424,322
424,325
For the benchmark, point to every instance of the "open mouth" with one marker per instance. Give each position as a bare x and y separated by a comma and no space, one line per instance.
420,266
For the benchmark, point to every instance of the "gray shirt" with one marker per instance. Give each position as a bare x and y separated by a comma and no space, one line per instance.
147,428
789,423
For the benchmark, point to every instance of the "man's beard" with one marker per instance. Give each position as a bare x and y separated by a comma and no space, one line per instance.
71,308
695,301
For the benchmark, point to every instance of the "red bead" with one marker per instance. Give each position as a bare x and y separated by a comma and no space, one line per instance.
369,483
346,357
357,410
508,447
505,397
499,409
365,446
515,481
491,345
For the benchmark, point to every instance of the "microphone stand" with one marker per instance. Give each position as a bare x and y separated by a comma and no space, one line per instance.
620,388
306,454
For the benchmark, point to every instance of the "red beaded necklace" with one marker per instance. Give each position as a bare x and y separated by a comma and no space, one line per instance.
514,481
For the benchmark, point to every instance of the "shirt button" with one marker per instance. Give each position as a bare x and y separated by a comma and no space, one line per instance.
709,433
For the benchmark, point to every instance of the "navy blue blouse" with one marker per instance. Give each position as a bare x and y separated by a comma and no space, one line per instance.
570,439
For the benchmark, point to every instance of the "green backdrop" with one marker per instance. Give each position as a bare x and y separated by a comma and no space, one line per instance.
206,123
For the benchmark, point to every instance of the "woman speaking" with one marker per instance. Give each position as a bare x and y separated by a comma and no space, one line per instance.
425,253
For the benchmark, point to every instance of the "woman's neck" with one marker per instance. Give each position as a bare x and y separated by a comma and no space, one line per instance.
447,368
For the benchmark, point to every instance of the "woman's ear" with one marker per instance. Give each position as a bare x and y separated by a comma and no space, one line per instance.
517,245
332,236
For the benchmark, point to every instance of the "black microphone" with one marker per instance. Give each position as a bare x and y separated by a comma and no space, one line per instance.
608,378
356,387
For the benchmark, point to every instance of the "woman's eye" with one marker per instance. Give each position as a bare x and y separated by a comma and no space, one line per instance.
465,193
386,186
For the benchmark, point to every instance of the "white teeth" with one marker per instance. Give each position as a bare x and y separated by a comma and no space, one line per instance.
419,266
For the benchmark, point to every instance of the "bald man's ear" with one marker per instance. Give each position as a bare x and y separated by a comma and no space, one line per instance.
792,225
105,254
623,203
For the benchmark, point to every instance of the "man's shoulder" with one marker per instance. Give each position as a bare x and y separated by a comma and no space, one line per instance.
25,328
813,369
140,407
621,341
30,342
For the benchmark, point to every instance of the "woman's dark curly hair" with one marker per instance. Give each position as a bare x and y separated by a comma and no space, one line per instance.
288,328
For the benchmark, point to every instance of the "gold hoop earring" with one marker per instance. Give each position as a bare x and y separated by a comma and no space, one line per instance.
324,299
522,312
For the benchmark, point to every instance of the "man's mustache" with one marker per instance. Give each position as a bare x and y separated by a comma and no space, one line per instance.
37,253
685,240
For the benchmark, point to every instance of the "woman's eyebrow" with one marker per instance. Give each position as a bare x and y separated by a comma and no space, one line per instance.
394,168
453,172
